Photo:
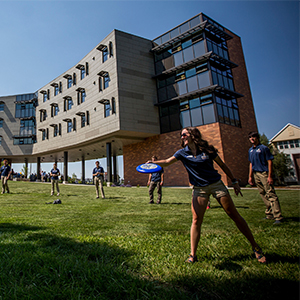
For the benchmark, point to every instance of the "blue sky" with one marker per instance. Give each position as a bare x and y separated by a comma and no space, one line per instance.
42,39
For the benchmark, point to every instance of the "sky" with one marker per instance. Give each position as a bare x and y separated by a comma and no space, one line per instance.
42,39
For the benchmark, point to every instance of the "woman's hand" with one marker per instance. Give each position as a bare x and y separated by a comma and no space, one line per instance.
237,189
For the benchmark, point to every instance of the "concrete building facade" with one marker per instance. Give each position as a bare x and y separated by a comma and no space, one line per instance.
131,96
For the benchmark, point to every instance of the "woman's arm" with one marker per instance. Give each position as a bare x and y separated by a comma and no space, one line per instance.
164,162
228,172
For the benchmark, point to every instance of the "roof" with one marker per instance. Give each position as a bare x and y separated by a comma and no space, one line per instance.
288,132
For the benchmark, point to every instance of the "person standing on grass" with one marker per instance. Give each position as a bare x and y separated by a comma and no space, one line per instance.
98,175
54,175
260,169
5,174
197,157
156,180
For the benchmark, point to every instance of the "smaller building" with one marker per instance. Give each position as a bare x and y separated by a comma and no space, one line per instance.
287,140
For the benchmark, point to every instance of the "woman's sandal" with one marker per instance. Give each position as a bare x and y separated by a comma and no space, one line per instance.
259,255
191,259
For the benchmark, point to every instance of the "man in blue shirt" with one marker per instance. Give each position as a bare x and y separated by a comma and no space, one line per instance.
54,175
5,173
155,180
260,169
98,175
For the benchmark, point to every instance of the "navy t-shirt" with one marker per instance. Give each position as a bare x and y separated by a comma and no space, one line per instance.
156,177
5,170
259,156
100,170
54,171
200,167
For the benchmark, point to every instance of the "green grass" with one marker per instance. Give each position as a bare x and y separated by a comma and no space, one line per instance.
124,248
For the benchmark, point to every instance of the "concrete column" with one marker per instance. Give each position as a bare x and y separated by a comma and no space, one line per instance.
65,167
108,163
83,170
38,169
115,169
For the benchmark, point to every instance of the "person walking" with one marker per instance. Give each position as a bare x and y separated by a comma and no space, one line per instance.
260,173
197,157
98,175
54,175
5,174
155,180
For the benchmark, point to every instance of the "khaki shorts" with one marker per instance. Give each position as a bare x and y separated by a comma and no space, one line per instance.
217,189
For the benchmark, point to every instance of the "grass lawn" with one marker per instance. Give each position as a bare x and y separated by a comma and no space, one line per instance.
122,247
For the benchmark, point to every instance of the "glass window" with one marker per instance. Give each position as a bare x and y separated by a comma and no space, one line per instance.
83,95
106,81
56,90
70,81
174,32
0,140
104,54
196,116
181,87
69,126
106,110
184,27
208,114
70,103
178,59
192,84
55,130
1,123
74,124
194,103
82,73
188,54
45,97
203,79
185,119
186,44
83,120
165,37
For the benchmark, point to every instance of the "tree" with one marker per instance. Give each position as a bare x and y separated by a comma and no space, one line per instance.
281,161
25,170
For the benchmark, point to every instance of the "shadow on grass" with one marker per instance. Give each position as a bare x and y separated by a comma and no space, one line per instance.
49,266
18,227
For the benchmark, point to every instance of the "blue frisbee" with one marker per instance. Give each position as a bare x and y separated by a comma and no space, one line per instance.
148,168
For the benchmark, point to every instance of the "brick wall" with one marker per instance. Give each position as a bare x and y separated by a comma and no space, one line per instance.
164,146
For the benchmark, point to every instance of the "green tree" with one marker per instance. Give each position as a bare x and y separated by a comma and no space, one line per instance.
281,161
25,170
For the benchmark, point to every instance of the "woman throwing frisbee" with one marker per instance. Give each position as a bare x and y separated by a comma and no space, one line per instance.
197,156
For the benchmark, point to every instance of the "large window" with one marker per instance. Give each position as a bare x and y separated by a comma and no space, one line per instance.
82,73
25,110
27,127
106,81
197,111
182,82
83,121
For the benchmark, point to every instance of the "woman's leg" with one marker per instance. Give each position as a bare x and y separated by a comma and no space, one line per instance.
229,207
199,205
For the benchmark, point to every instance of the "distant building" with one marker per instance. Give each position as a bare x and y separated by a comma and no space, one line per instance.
287,140
131,96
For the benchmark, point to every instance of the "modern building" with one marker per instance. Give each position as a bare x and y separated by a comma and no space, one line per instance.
287,140
131,96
